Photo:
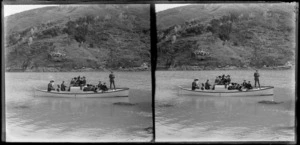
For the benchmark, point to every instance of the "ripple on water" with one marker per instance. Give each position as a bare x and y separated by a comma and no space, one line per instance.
22,107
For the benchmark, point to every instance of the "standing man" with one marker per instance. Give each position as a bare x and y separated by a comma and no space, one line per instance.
112,79
256,79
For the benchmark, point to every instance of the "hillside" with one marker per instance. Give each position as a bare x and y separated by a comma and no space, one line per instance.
67,38
207,36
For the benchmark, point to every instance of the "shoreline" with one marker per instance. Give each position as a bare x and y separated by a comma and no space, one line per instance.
137,69
140,69
191,68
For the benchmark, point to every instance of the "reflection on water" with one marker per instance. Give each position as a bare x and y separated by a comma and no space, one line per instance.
30,118
181,117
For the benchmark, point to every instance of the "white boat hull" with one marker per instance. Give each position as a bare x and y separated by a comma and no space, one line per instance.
119,92
264,91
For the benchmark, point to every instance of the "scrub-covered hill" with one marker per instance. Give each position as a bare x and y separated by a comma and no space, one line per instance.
208,36
67,38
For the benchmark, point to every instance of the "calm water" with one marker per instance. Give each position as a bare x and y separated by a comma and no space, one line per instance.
191,118
33,118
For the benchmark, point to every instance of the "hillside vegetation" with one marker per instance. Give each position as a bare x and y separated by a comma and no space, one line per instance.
207,36
67,38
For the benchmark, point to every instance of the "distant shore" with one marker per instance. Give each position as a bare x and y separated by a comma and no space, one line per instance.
138,69
53,69
197,68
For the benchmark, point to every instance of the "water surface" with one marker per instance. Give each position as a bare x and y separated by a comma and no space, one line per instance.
181,117
45,119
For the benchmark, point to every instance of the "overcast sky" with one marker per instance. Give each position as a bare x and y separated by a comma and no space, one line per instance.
13,9
161,7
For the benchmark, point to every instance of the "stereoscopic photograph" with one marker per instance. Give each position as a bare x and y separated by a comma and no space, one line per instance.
77,73
225,72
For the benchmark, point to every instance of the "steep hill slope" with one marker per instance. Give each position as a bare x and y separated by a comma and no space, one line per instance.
64,38
219,35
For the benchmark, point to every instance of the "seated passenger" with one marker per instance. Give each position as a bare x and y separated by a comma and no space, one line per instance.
83,81
230,86
195,84
63,86
88,87
239,87
99,86
104,87
249,86
220,81
202,87
217,80
50,86
72,83
76,82
223,79
228,79
244,84
58,87
225,82
207,85
95,89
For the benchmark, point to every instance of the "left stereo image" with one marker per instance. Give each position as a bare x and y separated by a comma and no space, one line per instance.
77,73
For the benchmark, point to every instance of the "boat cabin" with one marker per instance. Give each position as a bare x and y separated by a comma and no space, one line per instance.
220,88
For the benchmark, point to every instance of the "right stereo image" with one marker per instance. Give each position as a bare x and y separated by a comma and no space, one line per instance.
225,72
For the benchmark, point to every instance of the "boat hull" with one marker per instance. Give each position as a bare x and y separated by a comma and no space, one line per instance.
120,92
264,91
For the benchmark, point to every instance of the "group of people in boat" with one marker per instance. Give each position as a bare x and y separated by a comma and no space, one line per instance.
223,80
82,83
78,81
240,87
195,85
226,81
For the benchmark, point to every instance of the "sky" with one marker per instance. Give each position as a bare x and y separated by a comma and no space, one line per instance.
13,9
161,7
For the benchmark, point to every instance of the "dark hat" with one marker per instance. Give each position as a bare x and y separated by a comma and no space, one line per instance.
196,79
51,81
